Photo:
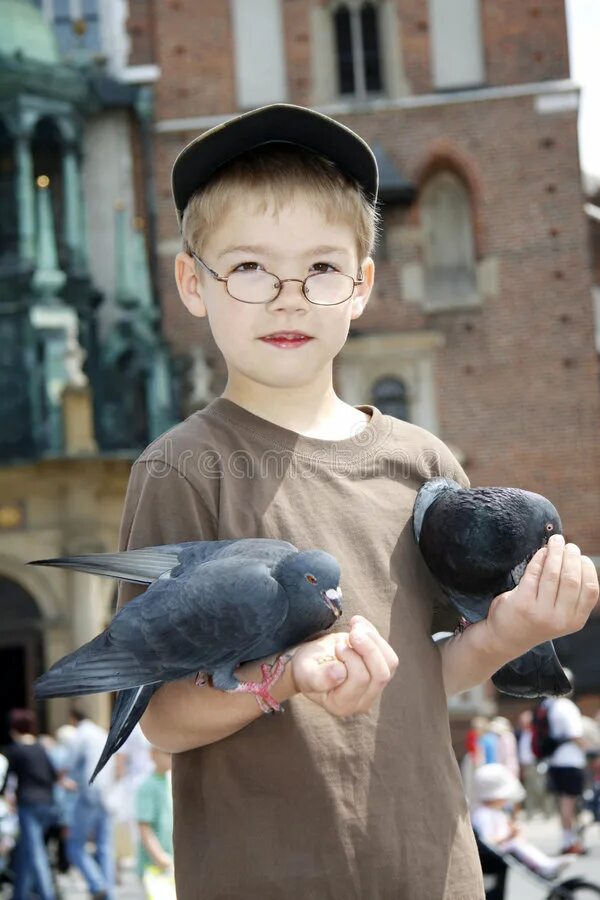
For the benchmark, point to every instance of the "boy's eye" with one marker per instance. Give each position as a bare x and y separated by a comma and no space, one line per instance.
324,267
247,267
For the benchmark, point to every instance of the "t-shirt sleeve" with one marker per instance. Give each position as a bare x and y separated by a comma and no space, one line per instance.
161,507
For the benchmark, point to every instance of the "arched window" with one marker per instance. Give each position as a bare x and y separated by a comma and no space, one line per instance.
357,47
448,241
390,396
47,152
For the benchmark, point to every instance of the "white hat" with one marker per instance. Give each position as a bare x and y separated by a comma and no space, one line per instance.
495,782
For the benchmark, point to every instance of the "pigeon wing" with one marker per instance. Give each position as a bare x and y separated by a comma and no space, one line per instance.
211,615
145,565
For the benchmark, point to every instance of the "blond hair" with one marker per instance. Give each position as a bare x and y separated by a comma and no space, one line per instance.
272,174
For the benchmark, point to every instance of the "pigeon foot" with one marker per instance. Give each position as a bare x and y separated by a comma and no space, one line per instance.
462,625
261,689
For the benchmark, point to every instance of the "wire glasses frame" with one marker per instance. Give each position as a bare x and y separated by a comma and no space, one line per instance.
279,282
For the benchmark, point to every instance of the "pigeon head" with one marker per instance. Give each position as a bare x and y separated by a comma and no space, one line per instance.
537,522
311,579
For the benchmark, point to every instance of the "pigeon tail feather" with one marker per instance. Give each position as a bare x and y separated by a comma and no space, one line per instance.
537,673
137,566
129,707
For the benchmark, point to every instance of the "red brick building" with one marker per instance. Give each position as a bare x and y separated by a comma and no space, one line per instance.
482,319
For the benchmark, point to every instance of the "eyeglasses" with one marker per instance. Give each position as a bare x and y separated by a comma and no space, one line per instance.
258,286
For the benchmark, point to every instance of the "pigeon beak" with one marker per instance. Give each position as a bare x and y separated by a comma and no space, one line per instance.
333,598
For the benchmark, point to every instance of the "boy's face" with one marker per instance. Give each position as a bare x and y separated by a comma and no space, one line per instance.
286,245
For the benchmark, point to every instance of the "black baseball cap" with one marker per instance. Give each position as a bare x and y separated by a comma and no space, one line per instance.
274,124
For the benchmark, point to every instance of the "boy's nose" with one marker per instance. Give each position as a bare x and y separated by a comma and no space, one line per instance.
290,296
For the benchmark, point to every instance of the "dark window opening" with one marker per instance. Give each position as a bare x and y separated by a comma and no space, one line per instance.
390,396
357,46
370,41
345,60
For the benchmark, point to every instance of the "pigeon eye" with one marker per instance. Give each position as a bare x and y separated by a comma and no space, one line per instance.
311,579
549,526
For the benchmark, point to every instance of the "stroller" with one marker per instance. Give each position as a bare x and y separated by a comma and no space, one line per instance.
495,866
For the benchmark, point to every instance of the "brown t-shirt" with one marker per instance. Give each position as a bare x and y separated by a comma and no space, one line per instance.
304,805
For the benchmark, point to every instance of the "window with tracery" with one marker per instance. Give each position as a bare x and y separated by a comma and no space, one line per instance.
448,240
359,67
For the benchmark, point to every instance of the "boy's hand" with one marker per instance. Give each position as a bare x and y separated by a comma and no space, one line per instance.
345,672
555,596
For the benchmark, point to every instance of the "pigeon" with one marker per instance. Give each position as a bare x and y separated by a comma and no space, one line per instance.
477,543
210,606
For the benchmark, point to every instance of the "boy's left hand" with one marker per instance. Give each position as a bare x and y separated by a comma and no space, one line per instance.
555,596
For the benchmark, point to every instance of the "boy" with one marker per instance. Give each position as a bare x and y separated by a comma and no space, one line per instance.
354,791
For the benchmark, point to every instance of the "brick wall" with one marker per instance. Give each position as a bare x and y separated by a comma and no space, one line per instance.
195,53
141,30
517,379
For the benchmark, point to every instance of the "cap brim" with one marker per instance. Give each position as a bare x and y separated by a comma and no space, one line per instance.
277,123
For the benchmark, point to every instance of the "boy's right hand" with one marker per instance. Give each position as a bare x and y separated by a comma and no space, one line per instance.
344,672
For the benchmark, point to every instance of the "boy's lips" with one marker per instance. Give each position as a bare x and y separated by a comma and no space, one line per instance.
287,340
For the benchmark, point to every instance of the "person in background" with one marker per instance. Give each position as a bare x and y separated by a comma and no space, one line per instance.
65,790
567,764
473,740
155,821
474,755
490,744
91,816
29,762
533,780
507,744
495,789
133,763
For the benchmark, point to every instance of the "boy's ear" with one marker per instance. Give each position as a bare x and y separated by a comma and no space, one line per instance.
363,291
188,284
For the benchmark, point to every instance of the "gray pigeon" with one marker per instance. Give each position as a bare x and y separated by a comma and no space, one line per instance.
210,606
477,543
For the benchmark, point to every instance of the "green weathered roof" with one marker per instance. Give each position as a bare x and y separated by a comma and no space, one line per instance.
24,31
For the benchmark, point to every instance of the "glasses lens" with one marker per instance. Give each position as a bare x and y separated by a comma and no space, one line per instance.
253,286
329,288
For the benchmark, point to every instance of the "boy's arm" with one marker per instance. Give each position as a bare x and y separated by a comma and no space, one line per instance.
555,596
344,672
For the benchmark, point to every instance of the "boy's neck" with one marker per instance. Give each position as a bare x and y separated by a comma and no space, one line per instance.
311,410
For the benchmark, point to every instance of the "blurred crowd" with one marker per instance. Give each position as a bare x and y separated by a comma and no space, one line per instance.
56,825
547,762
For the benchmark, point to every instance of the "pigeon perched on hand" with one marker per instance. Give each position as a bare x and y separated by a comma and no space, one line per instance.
477,543
210,606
